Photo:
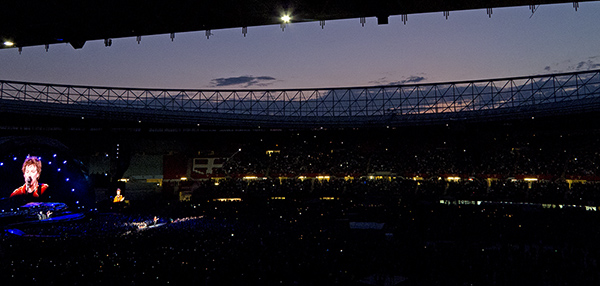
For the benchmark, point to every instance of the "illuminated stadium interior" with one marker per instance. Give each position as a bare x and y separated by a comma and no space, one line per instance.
497,185
476,182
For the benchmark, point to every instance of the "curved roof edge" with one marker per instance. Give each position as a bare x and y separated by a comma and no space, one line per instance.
401,105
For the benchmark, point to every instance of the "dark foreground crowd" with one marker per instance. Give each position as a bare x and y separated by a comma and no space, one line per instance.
309,242
392,231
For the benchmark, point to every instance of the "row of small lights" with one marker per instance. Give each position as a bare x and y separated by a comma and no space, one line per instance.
285,19
546,206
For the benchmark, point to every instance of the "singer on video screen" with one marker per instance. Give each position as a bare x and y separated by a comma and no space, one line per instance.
32,168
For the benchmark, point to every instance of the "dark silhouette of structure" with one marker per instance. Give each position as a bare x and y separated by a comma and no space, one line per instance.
34,23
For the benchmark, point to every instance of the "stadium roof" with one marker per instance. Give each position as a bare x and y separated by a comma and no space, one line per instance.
351,107
32,23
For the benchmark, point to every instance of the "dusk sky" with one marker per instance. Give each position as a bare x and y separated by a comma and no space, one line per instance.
428,48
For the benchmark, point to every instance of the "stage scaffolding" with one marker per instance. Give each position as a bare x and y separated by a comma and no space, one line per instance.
380,106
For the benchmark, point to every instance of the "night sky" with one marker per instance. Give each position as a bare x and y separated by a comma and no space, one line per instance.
428,48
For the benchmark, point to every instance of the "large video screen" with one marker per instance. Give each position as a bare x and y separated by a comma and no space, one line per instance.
35,169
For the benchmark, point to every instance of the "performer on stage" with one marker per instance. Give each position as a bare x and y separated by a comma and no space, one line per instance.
32,168
118,198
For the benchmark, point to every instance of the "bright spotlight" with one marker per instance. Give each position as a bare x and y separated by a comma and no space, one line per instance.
286,18
9,43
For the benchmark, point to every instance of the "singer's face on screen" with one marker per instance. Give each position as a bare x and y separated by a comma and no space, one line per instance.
31,172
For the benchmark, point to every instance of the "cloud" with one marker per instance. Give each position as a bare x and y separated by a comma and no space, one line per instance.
588,65
410,79
244,81
405,80
568,66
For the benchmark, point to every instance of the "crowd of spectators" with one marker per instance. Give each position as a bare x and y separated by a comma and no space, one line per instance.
561,167
299,242
540,192
556,155
290,230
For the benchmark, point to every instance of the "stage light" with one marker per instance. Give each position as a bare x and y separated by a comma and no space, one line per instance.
8,43
58,170
286,18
